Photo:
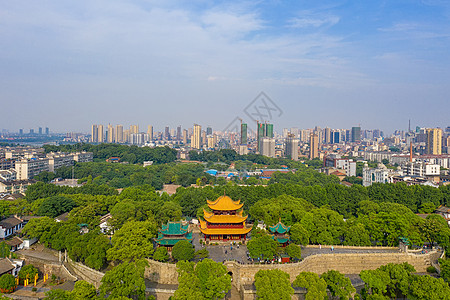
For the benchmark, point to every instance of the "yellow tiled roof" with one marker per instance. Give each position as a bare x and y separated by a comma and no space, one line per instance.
210,217
225,219
224,203
221,231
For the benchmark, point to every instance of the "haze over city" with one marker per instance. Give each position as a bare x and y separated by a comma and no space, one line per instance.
67,65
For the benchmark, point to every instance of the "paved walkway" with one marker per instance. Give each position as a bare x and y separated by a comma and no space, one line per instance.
225,251
307,251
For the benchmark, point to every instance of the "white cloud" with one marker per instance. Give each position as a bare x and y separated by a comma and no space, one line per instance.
305,22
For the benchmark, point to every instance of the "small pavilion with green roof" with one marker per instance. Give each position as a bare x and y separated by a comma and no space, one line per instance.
280,232
173,232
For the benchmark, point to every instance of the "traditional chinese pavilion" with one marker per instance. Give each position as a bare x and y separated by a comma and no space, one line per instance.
173,232
280,233
225,220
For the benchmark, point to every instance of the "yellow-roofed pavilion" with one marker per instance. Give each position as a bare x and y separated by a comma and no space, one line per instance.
225,220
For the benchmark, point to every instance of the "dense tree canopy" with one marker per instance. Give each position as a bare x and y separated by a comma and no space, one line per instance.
183,250
339,285
206,280
125,280
133,241
316,287
273,284
262,247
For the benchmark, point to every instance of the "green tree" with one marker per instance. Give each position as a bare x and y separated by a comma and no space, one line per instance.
273,284
202,253
263,247
445,269
299,234
36,228
435,229
399,275
339,285
125,280
294,251
376,281
161,254
427,287
316,286
214,279
183,250
132,241
4,250
83,290
206,280
7,283
27,272
189,285
55,205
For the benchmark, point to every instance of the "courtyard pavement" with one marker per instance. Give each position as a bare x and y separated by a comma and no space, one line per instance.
226,251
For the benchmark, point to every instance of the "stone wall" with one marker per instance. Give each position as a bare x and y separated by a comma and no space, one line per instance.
344,263
49,267
85,273
162,273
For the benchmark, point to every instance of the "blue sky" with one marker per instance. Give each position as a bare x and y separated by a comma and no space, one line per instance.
69,64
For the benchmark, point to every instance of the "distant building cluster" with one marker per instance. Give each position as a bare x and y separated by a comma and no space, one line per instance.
18,165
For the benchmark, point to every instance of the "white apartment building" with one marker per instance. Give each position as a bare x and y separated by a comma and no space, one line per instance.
381,174
8,175
335,161
15,186
28,168
421,169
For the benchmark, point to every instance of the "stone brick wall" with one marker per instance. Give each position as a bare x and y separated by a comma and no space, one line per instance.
85,273
344,263
354,263
162,273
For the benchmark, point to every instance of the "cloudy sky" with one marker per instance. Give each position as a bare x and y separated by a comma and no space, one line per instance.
69,64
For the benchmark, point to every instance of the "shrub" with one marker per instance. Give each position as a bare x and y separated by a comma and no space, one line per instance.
183,250
431,269
7,283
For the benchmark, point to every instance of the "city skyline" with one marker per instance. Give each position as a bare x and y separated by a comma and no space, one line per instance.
336,64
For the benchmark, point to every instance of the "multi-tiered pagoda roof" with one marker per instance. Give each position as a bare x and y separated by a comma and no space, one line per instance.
279,233
173,232
224,220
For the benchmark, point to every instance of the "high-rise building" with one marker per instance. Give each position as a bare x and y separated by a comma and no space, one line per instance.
179,133
31,131
356,134
336,137
269,130
94,134
100,134
313,146
110,134
196,137
119,134
327,136
21,131
434,141
166,133
268,147
150,132
243,134
126,136
208,130
134,129
204,140
40,130
292,147
260,133
185,136
47,131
